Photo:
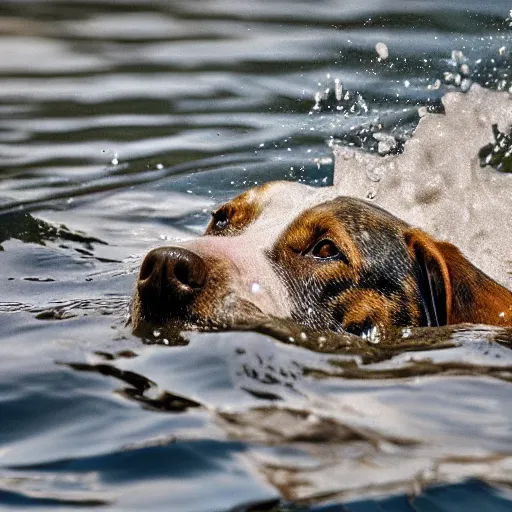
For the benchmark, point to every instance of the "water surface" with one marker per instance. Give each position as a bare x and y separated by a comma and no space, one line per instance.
121,125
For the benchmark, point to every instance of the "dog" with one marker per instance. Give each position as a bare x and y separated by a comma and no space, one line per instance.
327,262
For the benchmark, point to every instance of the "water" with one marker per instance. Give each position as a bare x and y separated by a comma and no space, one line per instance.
121,125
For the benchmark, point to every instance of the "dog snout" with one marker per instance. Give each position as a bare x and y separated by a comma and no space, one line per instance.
169,280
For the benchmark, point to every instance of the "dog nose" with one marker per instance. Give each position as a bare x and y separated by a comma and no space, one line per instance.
169,279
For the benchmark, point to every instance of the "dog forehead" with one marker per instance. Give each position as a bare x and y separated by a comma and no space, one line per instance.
281,203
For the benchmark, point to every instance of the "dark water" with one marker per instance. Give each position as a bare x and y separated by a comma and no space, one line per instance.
121,124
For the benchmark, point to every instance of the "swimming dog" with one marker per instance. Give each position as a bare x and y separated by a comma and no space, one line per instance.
329,263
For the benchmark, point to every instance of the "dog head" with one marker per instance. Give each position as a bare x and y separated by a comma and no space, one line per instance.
329,263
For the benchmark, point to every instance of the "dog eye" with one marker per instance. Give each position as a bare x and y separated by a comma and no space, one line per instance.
325,250
220,219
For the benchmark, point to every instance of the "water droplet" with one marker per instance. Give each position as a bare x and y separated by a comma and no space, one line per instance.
372,335
338,89
382,50
465,85
464,69
457,56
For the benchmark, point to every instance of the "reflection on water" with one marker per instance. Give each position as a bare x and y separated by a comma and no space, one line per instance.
121,125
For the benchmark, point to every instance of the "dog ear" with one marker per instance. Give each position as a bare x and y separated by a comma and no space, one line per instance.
452,290
432,276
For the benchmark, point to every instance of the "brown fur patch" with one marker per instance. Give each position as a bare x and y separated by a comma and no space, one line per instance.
238,213
317,225
365,308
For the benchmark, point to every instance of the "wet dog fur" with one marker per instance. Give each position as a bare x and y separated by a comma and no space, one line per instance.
329,263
